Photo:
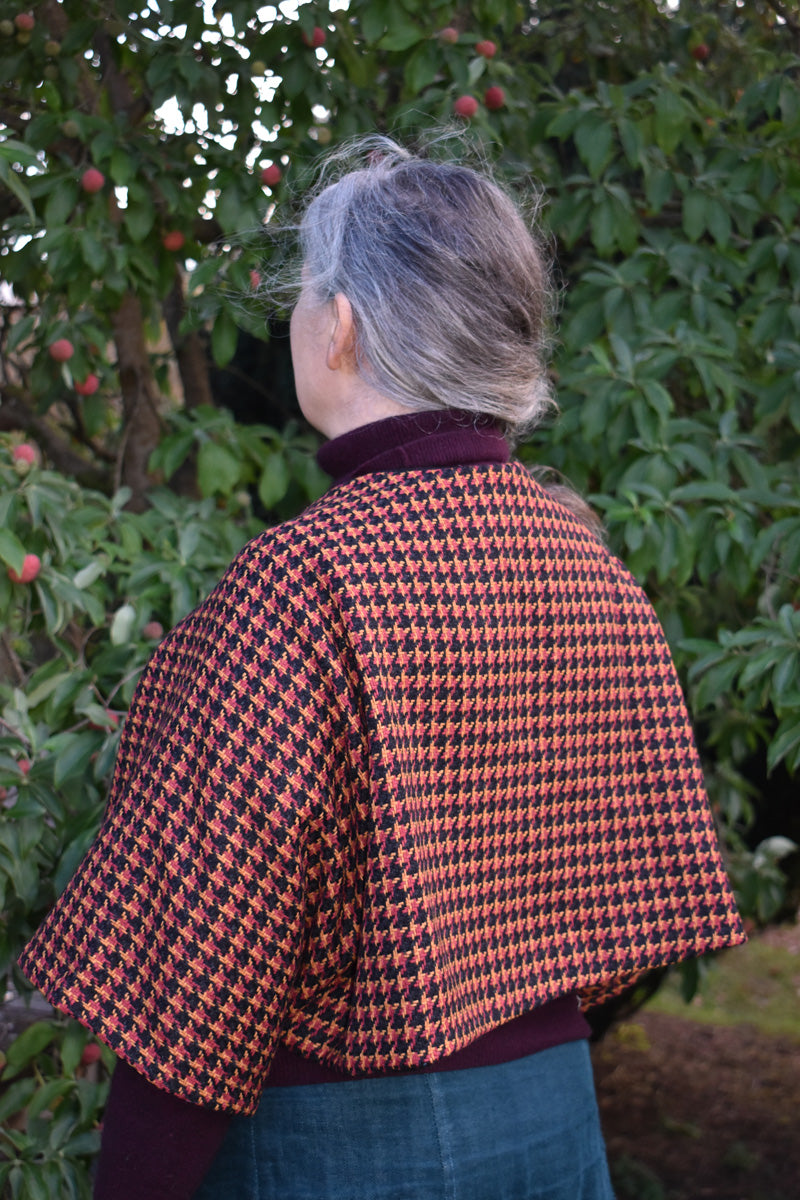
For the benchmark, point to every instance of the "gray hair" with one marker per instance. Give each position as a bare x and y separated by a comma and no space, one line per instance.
448,285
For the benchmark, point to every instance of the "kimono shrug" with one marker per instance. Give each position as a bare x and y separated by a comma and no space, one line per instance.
418,764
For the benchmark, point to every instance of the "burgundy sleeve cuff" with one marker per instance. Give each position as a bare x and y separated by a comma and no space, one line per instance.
155,1146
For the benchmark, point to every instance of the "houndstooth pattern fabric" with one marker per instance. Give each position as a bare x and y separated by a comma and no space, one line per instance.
419,763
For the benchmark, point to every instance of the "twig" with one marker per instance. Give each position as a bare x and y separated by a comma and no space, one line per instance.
16,732
13,658
791,23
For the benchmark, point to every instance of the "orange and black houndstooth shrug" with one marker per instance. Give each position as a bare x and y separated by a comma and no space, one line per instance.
419,763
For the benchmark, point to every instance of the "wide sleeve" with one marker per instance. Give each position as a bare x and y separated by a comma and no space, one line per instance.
672,897
180,935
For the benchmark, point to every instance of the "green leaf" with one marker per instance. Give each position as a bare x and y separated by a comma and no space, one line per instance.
373,21
103,144
785,744
789,101
296,76
16,1097
17,1178
307,471
55,615
657,396
54,1089
632,141
603,226
122,625
785,676
82,1144
95,414
622,352
12,550
694,214
189,539
719,222
88,574
689,979
671,120
171,453
759,665
584,326
356,64
73,761
659,186
229,210
61,201
770,322
563,124
274,480
402,35
94,252
139,217
773,849
27,1046
707,489
202,275
12,181
72,856
224,339
15,151
594,141
715,682
422,68
20,332
40,689
122,167
72,1046
218,469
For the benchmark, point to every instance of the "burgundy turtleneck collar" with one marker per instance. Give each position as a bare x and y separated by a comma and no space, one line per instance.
433,438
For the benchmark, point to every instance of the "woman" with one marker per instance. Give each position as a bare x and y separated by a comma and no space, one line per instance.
411,785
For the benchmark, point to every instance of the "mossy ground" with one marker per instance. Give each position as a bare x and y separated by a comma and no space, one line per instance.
699,1100
756,984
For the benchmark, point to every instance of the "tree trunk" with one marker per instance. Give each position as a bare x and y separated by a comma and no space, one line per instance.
139,402
189,350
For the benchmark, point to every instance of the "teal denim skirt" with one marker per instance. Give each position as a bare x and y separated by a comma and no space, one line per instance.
522,1130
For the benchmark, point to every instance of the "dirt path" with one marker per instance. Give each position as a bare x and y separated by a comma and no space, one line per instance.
693,1111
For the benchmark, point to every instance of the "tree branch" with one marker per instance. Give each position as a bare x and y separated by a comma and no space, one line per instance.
11,118
16,415
117,84
189,349
139,400
11,657
784,15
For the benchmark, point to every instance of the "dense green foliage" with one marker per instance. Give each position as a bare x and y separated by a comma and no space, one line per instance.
666,144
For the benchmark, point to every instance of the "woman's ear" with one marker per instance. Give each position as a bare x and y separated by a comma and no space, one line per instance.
341,348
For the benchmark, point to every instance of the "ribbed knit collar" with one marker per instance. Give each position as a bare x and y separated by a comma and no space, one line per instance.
433,438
